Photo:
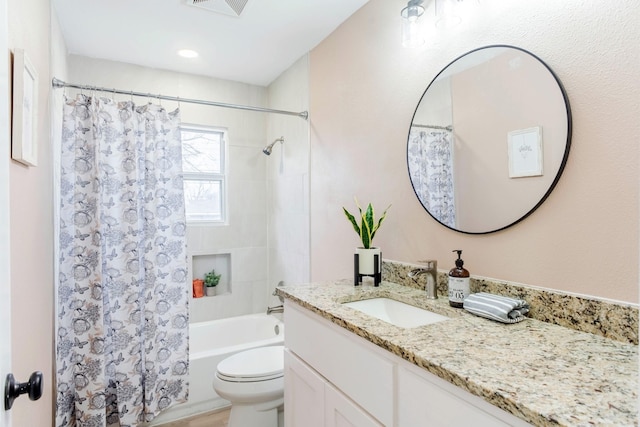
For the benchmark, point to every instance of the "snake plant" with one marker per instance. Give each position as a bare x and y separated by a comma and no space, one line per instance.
368,226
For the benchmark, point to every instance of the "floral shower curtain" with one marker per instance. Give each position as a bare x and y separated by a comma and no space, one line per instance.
430,157
122,326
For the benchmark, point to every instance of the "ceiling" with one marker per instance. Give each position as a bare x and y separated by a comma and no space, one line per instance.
256,47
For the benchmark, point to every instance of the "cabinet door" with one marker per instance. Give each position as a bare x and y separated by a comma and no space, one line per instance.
423,403
303,394
340,411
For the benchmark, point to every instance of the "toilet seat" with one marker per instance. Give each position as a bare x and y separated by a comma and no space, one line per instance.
253,382
258,364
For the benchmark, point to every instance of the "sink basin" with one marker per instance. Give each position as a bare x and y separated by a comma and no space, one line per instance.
396,312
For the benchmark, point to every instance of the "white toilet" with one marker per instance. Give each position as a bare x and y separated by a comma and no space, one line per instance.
253,381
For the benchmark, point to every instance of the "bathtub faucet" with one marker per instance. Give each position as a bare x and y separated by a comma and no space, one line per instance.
276,309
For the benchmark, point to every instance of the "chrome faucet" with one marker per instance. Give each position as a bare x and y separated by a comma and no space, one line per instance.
431,270
276,309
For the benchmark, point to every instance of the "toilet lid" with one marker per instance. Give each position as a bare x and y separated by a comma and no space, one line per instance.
258,364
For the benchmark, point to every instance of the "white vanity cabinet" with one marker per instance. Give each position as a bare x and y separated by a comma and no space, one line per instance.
311,400
435,402
335,378
342,360
340,411
304,393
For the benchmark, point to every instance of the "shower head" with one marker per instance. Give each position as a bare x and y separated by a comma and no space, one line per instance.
267,150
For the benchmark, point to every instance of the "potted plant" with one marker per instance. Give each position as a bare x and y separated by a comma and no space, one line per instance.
211,280
366,229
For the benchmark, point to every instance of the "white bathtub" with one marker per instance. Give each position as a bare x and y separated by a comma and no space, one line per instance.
211,342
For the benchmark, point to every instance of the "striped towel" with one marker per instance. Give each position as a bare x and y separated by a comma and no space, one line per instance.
496,307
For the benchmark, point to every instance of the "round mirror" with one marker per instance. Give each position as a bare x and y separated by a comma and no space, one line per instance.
489,139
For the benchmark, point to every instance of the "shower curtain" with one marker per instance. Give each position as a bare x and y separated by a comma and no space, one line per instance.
122,314
430,157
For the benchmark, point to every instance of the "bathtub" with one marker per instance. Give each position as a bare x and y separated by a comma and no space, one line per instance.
211,342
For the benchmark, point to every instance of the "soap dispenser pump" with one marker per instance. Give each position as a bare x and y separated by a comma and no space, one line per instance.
458,283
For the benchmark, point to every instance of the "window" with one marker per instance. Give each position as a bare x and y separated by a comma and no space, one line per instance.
204,173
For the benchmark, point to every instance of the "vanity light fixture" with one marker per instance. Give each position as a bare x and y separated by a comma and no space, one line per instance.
411,29
188,53
448,13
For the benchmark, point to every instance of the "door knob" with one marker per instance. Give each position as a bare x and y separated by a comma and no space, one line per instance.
12,389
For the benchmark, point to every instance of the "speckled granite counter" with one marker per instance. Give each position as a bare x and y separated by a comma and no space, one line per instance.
545,374
609,319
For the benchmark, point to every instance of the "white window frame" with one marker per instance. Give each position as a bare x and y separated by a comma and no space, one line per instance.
221,177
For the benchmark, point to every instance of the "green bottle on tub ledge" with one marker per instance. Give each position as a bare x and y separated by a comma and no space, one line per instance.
458,283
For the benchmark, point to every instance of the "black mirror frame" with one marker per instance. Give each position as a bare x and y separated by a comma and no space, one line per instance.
564,158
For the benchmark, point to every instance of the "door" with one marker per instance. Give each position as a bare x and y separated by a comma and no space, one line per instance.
303,394
5,297
340,411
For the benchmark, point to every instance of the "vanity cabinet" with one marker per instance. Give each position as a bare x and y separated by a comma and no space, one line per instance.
312,401
304,394
340,411
435,402
336,378
342,359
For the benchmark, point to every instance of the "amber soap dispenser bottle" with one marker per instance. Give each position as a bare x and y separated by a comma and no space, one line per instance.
458,283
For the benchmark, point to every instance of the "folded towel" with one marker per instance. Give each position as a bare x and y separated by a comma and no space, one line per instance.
496,307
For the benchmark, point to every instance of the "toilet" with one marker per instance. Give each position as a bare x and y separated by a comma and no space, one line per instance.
253,381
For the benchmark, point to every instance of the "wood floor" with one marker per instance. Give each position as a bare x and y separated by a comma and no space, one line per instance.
210,419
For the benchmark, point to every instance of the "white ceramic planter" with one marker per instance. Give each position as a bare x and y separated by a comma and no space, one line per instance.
366,260
210,290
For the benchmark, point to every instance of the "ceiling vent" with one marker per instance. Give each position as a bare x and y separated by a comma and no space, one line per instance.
226,7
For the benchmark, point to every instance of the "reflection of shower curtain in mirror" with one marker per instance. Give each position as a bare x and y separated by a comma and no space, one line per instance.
430,157
122,316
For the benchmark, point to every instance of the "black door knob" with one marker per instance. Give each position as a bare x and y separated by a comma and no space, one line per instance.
12,389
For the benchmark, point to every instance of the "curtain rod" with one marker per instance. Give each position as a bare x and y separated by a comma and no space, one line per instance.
57,84
449,128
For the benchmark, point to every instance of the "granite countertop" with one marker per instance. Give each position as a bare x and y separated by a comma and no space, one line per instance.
546,374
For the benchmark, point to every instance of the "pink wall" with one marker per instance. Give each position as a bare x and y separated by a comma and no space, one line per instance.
364,88
31,228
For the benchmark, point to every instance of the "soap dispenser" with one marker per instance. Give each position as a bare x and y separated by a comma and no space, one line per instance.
458,283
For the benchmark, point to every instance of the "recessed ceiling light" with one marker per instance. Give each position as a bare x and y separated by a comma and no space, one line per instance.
188,53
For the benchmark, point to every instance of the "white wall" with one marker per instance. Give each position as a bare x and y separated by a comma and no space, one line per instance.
245,236
288,178
364,88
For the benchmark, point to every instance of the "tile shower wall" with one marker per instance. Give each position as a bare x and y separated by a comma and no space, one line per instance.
288,180
245,236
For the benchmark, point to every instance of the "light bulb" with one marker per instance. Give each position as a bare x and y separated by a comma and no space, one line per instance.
447,13
411,29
